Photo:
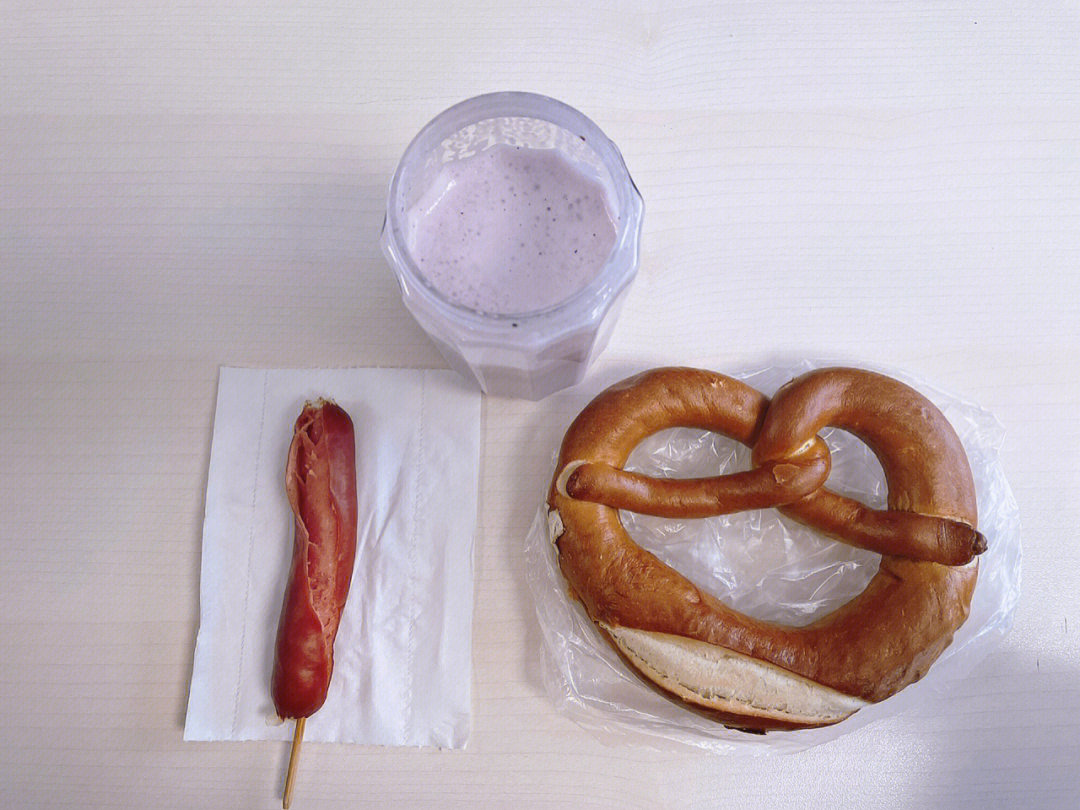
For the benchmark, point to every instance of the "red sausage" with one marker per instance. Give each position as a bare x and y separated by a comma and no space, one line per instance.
320,479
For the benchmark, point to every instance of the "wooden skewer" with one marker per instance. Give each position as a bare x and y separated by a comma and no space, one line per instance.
294,761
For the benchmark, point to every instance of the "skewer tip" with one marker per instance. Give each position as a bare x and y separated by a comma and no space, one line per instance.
294,761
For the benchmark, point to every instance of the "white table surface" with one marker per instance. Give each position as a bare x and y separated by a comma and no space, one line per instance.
184,186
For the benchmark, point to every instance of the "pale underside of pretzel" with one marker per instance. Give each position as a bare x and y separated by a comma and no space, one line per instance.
750,673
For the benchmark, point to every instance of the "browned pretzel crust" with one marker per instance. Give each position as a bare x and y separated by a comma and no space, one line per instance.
694,646
931,514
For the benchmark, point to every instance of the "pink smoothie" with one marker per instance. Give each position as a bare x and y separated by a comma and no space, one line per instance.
510,230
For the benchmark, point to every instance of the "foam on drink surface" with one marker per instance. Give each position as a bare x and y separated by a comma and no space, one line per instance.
510,230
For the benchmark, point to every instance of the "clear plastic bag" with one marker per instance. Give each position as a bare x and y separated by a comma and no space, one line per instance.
771,568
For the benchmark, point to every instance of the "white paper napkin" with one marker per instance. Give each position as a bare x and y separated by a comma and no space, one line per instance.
403,654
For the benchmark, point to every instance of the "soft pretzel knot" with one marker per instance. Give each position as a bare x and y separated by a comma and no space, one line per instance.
749,673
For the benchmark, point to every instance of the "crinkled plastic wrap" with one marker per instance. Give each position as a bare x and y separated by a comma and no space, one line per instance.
769,567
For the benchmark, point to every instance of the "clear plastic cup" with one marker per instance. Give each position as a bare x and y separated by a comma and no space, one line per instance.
526,354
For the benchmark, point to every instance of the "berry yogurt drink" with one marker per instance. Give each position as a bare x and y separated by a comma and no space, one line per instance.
510,230
512,226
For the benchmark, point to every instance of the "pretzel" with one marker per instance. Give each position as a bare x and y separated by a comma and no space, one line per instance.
745,672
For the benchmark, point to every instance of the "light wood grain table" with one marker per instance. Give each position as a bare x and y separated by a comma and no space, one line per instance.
189,185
